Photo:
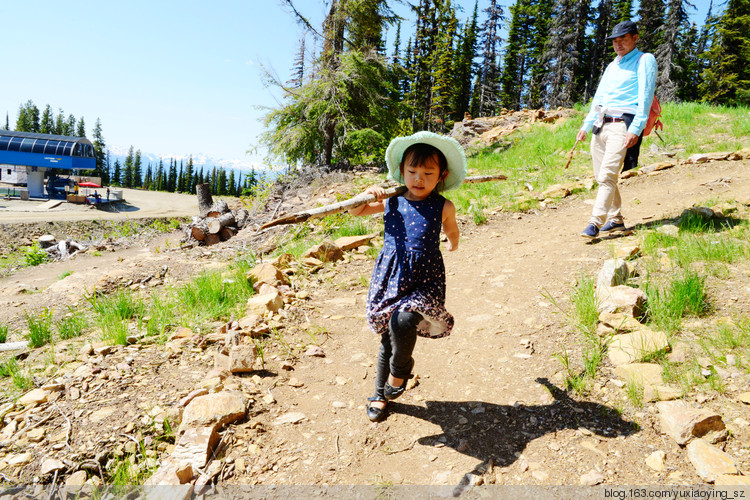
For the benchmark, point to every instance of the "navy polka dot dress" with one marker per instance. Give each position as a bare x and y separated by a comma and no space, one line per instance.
409,273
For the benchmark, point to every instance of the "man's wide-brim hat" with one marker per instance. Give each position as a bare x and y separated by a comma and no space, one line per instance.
622,29
451,149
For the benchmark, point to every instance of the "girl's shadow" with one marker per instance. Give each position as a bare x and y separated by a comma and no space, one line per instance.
501,432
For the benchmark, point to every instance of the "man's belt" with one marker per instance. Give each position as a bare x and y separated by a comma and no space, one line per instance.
613,119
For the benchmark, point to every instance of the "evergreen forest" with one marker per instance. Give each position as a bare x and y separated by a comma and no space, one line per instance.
350,94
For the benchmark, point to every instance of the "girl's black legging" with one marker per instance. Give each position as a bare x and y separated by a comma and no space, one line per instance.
396,348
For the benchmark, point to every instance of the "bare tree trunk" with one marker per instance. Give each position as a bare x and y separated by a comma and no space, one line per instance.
203,191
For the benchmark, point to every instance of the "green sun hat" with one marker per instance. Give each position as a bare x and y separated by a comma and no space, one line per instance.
449,146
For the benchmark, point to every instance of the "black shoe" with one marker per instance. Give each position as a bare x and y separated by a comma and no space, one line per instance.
374,413
391,392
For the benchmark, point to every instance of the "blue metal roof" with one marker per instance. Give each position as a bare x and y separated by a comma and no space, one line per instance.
46,150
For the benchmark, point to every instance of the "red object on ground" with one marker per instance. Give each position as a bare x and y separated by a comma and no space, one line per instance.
89,184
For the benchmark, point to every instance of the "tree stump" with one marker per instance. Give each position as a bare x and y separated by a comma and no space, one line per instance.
205,201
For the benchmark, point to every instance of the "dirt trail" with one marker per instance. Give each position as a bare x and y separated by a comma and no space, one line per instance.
483,394
486,394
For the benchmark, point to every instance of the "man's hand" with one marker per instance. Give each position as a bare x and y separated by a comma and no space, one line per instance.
581,136
630,140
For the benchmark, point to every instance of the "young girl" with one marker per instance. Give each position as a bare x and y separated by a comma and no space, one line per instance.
407,289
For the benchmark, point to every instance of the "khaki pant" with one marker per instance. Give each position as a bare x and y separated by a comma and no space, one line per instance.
608,153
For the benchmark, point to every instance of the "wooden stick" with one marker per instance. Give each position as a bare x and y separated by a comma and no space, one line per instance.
358,201
570,155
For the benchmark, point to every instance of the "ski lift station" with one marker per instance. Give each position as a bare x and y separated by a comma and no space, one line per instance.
37,153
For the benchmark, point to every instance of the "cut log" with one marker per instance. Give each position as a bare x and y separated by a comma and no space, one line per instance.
203,192
225,233
218,208
241,217
212,239
215,225
200,230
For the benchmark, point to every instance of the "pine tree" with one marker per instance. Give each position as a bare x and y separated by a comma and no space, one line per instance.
651,28
137,170
47,125
117,174
726,79
464,67
516,53
60,125
623,10
189,174
99,149
231,184
172,178
70,126
81,129
542,15
564,53
161,184
443,83
298,66
489,76
28,118
672,53
148,181
7,121
600,48
127,172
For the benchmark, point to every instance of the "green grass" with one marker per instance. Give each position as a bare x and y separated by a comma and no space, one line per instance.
583,317
64,275
683,295
73,325
40,327
4,329
214,295
21,379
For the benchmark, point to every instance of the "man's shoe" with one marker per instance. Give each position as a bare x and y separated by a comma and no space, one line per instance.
590,232
612,227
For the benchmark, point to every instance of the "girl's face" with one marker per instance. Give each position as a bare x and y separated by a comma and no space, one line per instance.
421,180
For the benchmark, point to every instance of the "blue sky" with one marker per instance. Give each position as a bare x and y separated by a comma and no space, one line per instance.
167,77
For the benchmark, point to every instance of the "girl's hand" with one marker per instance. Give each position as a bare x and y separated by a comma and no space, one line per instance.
374,206
377,191
450,227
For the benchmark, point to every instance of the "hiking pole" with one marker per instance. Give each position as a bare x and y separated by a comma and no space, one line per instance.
358,201
570,155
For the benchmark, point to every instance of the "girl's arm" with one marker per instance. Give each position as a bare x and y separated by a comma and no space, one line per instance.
450,227
373,207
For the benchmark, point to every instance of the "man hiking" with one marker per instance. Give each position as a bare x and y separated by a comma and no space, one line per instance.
619,112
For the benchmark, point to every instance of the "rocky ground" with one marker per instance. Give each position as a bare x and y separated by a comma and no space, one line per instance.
486,404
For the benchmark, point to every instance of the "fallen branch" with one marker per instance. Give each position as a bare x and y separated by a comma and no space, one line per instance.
358,201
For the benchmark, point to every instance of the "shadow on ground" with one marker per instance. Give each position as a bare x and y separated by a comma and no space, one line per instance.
500,433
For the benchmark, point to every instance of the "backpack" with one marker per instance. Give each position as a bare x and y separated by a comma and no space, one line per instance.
653,114
653,121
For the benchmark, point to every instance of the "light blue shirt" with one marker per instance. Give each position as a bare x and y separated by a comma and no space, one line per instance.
627,86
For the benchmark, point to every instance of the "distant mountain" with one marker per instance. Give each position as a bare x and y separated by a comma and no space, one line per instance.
199,160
